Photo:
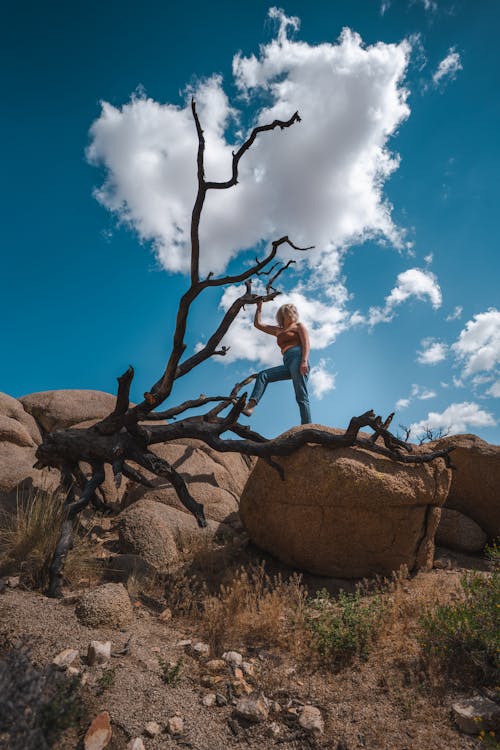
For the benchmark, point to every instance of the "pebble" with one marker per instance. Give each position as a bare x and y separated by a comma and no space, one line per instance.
152,729
209,700
199,650
99,733
166,615
311,720
216,665
220,699
253,707
175,725
65,658
273,730
136,744
99,652
233,657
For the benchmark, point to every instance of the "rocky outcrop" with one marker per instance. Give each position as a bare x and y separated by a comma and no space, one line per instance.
56,410
154,533
214,479
19,437
346,513
475,486
458,532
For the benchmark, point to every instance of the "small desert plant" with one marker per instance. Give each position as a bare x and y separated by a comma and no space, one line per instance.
464,637
344,628
170,672
106,680
37,705
28,538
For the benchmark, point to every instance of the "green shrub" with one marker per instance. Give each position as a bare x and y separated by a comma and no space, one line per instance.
170,673
344,628
464,636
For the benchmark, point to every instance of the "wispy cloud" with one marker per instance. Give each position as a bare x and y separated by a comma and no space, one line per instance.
456,314
447,68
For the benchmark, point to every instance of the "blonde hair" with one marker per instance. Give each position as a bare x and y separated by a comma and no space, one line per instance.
290,310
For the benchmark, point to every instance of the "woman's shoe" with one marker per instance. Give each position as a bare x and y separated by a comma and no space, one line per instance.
248,410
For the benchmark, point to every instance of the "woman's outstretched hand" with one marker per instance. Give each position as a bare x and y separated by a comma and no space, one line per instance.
304,368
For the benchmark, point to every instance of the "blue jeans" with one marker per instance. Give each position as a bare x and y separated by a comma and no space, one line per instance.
289,370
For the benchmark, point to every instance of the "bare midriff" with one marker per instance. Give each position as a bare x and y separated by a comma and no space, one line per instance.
287,339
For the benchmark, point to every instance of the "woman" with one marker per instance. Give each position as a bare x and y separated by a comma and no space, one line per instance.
294,344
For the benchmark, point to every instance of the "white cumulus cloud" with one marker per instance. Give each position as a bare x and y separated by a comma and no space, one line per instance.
323,321
478,345
432,352
455,418
414,282
494,390
448,67
322,381
320,181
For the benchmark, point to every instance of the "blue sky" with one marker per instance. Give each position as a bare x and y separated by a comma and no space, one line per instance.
393,175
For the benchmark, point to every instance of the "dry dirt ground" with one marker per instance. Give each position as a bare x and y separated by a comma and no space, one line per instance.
387,702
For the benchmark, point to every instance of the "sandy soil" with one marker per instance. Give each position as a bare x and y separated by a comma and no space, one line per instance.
386,703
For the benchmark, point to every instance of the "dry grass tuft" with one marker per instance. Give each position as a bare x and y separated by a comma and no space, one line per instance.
29,536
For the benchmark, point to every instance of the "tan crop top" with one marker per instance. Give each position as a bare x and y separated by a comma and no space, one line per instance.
287,339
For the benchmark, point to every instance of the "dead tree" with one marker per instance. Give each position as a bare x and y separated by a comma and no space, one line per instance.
125,437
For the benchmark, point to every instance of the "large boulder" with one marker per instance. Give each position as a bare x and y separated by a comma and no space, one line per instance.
475,485
459,532
12,410
55,410
346,512
214,479
19,437
155,532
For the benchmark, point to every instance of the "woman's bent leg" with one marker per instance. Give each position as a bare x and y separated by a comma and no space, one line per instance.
272,375
299,384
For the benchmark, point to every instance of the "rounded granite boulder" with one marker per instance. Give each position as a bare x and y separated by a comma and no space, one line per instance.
345,512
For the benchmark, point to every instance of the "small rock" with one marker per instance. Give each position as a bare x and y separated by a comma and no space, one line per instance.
175,725
238,673
221,700
233,726
136,744
152,729
209,700
207,680
72,671
98,652
273,730
248,669
311,720
185,642
108,604
99,733
233,657
13,581
275,707
166,615
240,687
254,707
64,659
216,665
475,714
199,650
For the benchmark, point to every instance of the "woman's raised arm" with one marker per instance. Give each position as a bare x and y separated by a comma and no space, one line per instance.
273,330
